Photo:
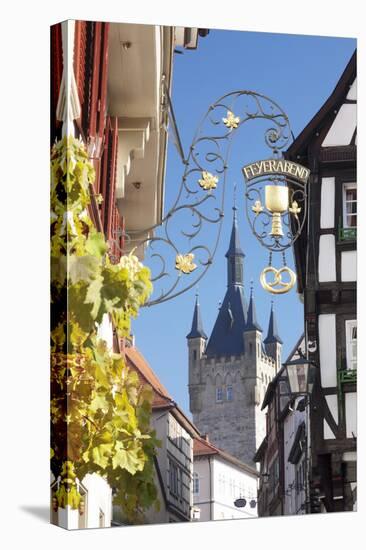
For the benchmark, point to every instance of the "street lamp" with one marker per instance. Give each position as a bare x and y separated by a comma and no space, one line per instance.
301,376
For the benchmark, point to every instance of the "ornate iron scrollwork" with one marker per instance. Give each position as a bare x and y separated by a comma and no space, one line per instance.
177,256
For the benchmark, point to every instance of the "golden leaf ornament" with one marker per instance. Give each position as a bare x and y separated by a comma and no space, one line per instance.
184,263
208,181
231,121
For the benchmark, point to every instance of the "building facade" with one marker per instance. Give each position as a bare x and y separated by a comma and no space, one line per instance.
229,372
219,480
325,256
109,85
282,456
173,467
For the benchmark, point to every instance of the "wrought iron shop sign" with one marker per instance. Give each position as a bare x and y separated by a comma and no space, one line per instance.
276,206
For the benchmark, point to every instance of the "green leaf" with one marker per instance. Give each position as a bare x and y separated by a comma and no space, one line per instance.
82,268
101,454
93,295
96,245
128,459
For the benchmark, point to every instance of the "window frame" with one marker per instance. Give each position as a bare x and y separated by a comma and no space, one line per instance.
196,484
351,362
229,393
346,186
219,394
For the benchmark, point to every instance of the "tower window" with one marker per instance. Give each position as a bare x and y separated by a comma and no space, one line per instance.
218,394
229,393
194,355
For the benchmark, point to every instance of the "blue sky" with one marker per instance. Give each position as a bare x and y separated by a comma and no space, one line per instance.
299,73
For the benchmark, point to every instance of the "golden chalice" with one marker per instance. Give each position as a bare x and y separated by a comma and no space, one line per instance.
276,199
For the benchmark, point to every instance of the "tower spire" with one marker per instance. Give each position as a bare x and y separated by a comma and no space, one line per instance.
272,334
252,322
235,255
197,326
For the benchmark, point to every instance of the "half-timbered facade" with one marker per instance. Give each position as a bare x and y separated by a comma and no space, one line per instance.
325,256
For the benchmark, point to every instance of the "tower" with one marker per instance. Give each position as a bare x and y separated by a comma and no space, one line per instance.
228,376
272,342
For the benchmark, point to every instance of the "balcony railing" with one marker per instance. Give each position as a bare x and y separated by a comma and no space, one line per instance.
347,376
347,233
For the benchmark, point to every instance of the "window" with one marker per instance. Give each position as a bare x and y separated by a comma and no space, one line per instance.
229,393
219,394
194,355
349,205
351,344
175,480
196,484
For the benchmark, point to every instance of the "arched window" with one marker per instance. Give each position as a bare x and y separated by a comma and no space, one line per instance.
219,394
229,393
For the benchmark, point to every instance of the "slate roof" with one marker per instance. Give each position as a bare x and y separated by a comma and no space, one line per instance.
227,335
197,326
252,322
234,245
272,334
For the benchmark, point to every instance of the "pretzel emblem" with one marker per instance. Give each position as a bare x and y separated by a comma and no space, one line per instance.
284,286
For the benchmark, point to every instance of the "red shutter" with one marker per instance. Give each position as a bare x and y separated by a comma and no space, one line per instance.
56,76
108,175
91,74
80,59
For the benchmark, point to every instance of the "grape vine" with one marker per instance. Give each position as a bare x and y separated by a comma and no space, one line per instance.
100,412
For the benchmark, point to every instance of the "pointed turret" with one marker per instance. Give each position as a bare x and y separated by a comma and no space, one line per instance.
272,334
235,256
252,322
273,342
197,326
196,341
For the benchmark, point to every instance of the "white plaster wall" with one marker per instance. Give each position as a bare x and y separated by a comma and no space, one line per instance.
332,401
105,331
327,259
328,434
327,203
202,499
343,127
229,483
351,414
327,350
68,518
349,265
352,94
99,497
234,483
